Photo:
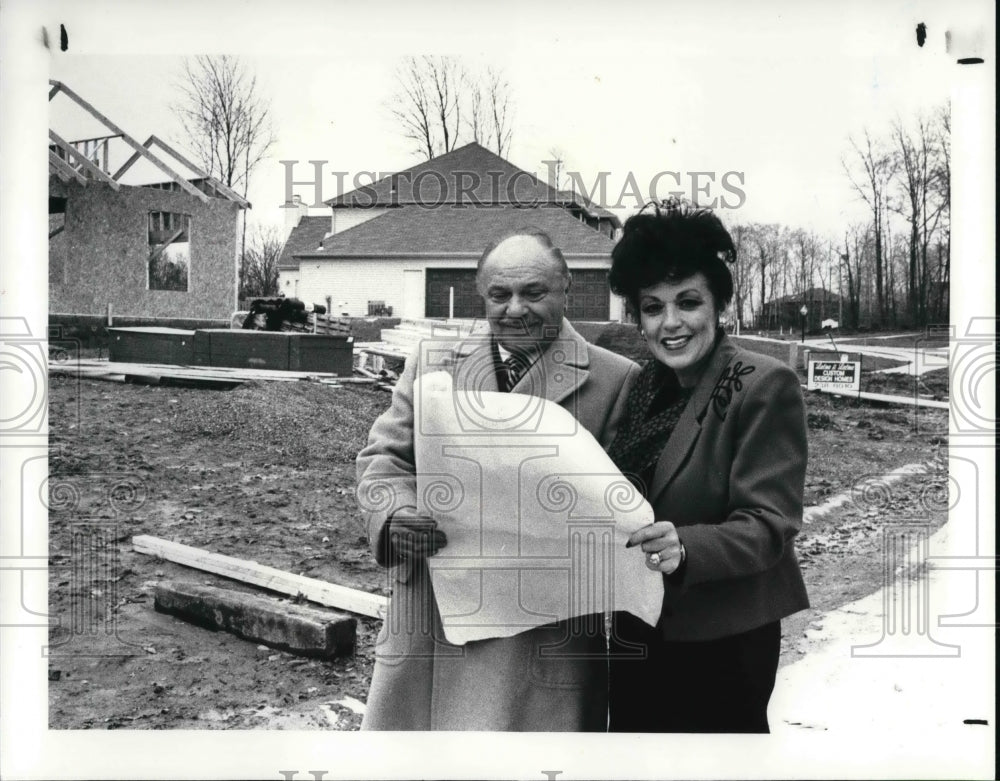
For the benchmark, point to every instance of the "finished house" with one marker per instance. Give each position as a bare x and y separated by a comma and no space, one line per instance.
163,247
408,244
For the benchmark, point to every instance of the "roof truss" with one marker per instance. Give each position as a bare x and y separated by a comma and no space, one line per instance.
183,183
64,170
214,183
83,160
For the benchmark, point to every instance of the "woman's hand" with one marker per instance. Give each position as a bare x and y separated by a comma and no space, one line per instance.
662,546
413,537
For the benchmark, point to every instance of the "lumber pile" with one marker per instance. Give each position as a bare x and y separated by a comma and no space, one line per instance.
220,376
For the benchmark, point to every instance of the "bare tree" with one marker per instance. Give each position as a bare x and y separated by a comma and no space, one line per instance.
766,243
942,184
477,118
501,110
921,205
427,102
742,272
437,98
411,106
871,184
226,119
855,241
259,269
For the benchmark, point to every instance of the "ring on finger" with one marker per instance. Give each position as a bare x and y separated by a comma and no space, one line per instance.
654,559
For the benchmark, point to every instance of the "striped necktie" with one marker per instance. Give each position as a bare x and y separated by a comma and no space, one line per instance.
514,368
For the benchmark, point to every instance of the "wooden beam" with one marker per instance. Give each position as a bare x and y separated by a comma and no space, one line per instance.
128,164
166,244
95,367
219,186
96,138
299,629
314,590
85,161
139,148
65,168
56,86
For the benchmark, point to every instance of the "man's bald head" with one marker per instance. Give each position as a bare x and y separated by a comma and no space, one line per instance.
524,282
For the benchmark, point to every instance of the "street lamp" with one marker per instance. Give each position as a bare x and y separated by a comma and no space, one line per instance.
803,311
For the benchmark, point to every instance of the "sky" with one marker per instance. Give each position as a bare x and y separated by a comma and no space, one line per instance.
768,91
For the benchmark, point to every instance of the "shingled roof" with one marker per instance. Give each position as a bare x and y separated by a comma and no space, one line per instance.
307,236
471,174
458,230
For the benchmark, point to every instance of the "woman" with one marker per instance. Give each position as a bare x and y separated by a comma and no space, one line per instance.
715,436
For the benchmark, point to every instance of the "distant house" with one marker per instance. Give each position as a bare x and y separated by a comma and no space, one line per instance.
409,243
163,248
786,312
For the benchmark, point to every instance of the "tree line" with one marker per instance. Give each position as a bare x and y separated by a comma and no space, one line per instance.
891,269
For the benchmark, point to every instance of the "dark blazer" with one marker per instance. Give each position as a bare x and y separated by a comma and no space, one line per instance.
731,479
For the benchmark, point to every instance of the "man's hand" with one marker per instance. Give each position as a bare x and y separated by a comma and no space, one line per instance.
413,537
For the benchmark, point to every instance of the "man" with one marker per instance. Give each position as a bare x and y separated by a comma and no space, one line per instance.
421,681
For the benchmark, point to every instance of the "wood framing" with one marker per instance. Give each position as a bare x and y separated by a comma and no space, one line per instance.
183,183
65,170
211,180
85,161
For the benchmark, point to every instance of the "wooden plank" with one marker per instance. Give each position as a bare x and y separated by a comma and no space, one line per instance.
219,186
314,590
85,161
128,164
299,629
198,371
162,248
65,168
139,148
95,369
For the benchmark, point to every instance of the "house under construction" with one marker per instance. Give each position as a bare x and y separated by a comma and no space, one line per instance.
163,248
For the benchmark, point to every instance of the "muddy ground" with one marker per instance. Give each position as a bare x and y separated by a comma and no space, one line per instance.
266,472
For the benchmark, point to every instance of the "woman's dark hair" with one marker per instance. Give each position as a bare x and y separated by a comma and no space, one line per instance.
668,243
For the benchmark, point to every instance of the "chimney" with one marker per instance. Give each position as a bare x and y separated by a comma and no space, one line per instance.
294,212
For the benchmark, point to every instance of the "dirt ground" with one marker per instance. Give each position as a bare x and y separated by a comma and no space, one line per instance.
266,472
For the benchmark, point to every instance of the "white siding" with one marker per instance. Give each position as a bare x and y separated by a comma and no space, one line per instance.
288,283
347,218
351,284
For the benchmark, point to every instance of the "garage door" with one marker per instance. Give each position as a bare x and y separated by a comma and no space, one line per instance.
588,298
467,300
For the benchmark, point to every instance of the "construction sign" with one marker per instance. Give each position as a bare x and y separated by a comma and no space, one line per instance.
834,376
